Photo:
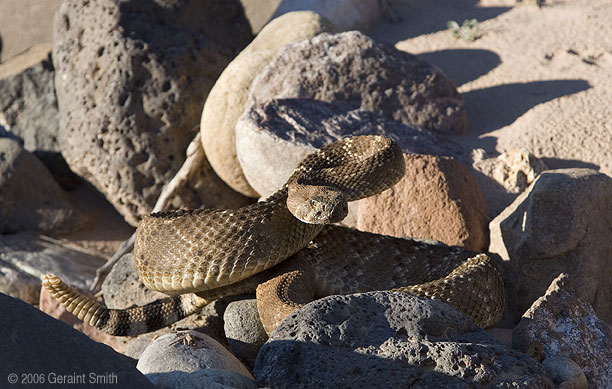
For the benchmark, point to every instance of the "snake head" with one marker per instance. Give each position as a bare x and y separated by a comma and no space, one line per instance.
316,204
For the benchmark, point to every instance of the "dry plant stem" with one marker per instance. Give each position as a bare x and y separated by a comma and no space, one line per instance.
195,155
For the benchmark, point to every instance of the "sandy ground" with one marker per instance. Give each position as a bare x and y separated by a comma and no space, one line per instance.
539,78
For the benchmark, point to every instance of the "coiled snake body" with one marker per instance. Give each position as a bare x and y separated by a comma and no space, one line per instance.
215,253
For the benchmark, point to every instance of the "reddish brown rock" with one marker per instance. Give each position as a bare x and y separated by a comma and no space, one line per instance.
438,198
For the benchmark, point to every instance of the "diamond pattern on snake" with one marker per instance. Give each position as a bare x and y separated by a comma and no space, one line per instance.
286,250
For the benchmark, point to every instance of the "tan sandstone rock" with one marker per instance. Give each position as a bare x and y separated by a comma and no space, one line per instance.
227,98
562,223
438,198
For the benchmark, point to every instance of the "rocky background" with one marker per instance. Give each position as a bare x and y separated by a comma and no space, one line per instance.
507,137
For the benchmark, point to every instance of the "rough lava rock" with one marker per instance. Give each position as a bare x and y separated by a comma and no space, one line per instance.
28,106
385,339
227,98
39,345
438,198
562,324
131,78
350,67
172,355
562,223
273,138
29,197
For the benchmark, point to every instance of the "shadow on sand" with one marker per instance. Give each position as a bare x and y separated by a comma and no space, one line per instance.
495,107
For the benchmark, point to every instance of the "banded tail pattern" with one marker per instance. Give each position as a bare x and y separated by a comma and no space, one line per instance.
121,322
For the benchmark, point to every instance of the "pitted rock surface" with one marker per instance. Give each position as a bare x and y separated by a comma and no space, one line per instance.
272,138
226,100
562,324
562,223
438,198
30,200
385,339
131,78
350,67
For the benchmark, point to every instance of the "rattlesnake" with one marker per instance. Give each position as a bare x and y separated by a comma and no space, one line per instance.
220,252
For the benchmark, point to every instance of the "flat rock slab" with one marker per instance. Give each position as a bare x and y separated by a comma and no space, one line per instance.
51,352
273,138
34,256
352,68
386,339
131,78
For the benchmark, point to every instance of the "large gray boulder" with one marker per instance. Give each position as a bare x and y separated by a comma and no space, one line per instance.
227,98
386,339
131,78
561,224
352,68
30,200
40,348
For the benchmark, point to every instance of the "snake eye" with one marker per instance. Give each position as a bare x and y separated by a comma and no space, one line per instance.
312,202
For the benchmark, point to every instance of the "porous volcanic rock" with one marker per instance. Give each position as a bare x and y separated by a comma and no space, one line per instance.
386,339
352,68
131,78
